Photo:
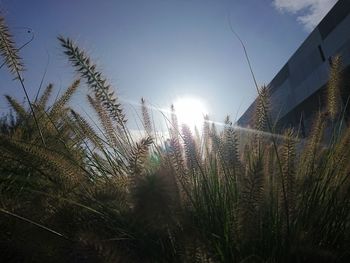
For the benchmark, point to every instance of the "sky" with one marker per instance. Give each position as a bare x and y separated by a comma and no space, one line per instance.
161,49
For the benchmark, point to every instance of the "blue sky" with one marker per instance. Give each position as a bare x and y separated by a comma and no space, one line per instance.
162,49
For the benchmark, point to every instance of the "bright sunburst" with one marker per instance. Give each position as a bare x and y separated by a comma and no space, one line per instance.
190,111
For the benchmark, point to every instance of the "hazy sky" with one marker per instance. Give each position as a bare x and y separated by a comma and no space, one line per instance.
162,49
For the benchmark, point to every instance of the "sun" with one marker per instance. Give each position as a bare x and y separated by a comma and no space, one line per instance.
190,111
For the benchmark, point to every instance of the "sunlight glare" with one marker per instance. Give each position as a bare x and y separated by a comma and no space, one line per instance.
190,111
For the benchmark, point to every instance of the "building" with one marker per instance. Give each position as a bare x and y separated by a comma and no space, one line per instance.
298,89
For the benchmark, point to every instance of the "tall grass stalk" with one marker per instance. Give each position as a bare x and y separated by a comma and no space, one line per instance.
220,196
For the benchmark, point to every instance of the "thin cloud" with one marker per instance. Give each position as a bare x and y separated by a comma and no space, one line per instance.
309,12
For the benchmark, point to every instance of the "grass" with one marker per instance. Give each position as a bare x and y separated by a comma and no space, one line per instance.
76,191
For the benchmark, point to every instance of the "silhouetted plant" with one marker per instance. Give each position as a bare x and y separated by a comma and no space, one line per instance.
94,193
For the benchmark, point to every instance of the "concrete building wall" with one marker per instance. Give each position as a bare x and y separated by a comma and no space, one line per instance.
306,72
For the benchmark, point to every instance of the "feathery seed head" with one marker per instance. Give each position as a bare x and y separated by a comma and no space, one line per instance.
146,117
333,89
8,50
94,79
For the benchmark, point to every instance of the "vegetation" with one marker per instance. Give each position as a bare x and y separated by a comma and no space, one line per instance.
74,191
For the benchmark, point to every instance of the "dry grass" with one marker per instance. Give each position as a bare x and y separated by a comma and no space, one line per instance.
90,193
